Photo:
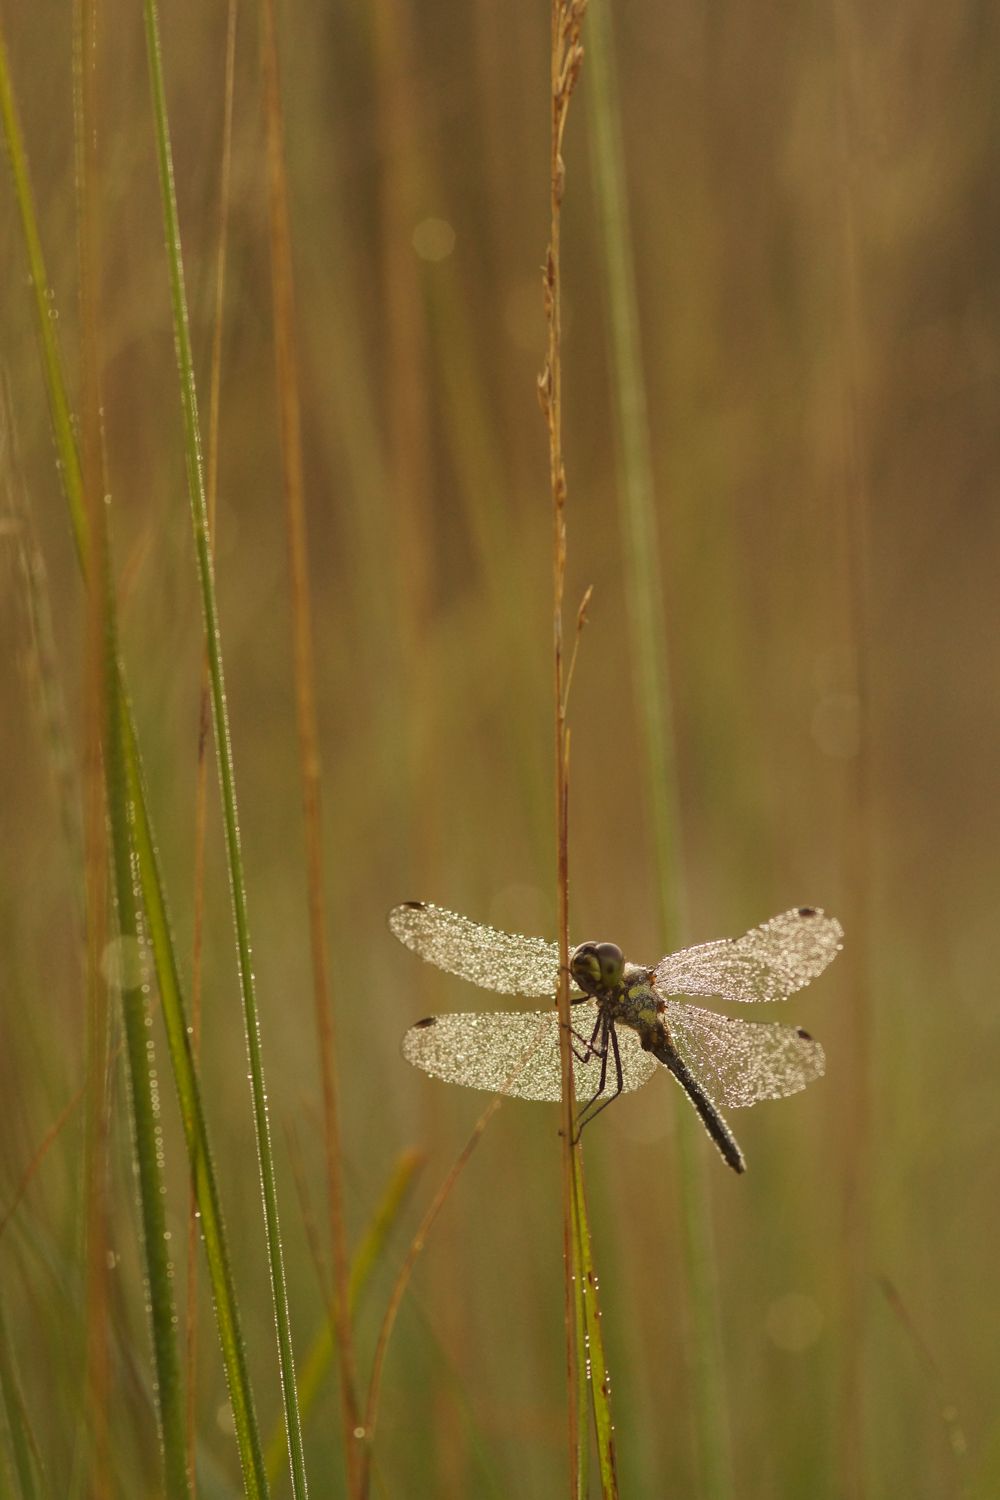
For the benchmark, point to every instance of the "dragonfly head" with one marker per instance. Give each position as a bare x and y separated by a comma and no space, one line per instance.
597,967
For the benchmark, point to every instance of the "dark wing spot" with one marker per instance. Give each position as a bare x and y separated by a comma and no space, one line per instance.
799,1031
808,911
414,905
427,1021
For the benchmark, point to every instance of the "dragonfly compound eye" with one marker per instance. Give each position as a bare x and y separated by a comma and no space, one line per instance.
612,961
597,966
585,967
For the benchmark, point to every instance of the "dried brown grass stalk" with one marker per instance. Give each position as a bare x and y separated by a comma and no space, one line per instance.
566,60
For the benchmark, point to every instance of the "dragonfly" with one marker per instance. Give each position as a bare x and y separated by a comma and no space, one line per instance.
627,1020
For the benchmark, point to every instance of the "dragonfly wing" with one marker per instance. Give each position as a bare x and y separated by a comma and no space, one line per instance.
742,1062
495,960
769,962
517,1053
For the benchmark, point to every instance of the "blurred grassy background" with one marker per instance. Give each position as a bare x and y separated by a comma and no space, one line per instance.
816,216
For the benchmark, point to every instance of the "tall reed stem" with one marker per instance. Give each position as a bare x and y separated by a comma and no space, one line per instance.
651,682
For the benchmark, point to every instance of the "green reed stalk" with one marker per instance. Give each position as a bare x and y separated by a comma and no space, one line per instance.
647,631
598,1374
223,744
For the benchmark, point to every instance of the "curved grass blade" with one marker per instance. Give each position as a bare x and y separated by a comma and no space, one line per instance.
223,1289
111,811
320,1356
68,458
24,1451
141,1059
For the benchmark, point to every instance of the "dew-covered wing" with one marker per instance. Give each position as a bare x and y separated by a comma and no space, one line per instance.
741,1062
769,962
495,960
517,1053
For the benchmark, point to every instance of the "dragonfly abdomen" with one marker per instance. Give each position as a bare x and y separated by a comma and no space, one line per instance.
707,1110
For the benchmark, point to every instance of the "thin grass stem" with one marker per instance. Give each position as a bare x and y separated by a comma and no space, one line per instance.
223,745
566,58
204,704
290,408
402,1281
317,1362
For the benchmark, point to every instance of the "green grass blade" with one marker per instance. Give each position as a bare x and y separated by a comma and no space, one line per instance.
647,631
227,777
596,1362
125,971
23,1451
68,457
143,1088
582,1393
195,1129
159,933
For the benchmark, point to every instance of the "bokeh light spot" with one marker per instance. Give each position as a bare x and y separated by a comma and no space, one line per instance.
434,239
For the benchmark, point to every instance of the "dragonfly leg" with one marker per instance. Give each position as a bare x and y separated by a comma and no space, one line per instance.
590,1111
590,1049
